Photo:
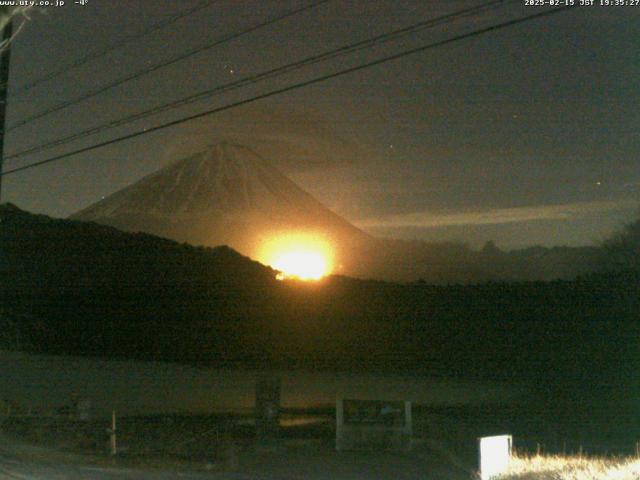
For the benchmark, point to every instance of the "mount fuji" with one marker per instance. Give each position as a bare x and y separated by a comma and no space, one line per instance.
227,195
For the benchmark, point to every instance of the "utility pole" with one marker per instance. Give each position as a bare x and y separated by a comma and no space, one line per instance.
5,56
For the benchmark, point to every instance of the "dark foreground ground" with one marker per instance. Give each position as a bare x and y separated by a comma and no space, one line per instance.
208,448
223,446
308,461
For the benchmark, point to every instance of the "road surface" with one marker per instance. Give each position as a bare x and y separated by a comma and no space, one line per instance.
12,468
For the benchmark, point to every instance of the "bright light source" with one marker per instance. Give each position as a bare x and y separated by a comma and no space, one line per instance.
495,455
302,265
302,256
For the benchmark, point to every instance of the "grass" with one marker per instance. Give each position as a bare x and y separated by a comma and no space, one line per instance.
549,467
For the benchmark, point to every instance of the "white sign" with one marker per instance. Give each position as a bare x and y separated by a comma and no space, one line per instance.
495,454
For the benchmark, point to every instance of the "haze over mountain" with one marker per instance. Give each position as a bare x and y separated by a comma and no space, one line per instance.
229,195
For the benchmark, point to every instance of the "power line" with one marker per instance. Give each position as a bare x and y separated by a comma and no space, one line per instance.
100,53
293,87
161,65
327,55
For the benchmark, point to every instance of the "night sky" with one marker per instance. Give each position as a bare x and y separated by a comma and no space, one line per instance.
527,135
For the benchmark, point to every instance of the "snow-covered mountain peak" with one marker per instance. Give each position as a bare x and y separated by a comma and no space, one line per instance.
225,178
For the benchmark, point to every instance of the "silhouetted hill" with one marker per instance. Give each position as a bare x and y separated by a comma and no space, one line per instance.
60,256
454,262
622,250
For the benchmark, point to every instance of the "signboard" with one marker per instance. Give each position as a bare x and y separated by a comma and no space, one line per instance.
495,455
373,412
373,424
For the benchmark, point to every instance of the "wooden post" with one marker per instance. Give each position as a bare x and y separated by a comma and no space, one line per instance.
408,426
114,442
339,423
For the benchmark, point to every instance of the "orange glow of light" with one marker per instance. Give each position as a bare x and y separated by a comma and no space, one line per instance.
300,256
